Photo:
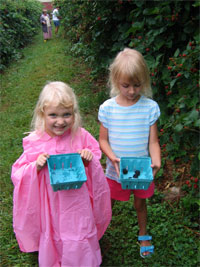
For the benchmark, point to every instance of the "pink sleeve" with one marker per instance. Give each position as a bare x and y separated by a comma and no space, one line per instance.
99,194
26,202
89,142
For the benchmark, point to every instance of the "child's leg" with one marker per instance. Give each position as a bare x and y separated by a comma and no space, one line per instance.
141,210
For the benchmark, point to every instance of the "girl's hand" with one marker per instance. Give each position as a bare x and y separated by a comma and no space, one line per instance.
105,147
115,162
41,161
86,155
154,149
155,168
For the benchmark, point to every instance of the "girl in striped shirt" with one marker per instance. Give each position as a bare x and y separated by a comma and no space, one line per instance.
129,129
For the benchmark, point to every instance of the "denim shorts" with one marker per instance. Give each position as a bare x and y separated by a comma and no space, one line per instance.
56,23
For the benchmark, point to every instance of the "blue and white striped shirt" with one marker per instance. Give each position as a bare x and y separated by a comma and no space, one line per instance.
128,128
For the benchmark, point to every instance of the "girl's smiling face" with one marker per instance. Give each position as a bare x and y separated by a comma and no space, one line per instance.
129,90
58,119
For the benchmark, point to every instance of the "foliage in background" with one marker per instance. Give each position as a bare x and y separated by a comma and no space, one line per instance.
19,21
167,34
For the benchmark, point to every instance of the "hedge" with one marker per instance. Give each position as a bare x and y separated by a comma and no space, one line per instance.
19,22
167,34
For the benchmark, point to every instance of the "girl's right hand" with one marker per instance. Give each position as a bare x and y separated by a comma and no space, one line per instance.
115,162
105,147
41,161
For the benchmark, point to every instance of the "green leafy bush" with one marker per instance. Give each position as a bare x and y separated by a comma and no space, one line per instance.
167,34
18,24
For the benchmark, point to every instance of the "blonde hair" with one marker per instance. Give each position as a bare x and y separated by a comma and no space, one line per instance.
129,63
55,93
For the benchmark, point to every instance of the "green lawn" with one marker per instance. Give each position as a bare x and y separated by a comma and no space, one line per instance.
174,235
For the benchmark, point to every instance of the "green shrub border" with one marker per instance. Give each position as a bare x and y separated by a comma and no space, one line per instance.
19,22
167,34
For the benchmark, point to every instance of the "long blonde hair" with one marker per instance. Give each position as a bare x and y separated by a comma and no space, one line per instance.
129,63
55,93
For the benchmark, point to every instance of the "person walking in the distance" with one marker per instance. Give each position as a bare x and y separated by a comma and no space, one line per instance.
64,226
46,25
56,19
129,129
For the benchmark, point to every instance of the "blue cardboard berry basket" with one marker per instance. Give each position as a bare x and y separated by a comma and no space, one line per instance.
66,171
135,172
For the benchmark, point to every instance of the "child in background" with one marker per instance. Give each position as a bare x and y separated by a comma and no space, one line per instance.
56,19
64,226
128,129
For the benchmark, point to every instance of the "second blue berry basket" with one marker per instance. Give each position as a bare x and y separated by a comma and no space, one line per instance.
135,172
66,171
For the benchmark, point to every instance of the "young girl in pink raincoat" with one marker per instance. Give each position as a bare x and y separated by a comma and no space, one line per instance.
64,226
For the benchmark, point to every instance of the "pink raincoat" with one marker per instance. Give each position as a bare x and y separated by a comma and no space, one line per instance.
64,226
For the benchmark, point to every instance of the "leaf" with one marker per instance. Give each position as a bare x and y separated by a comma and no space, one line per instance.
178,127
197,123
196,4
188,28
186,74
198,202
177,52
182,105
139,3
158,58
115,36
165,75
193,115
172,83
165,10
151,11
150,61
159,44
136,27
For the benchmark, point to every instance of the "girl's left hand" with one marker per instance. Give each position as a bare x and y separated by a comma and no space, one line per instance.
86,155
155,169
